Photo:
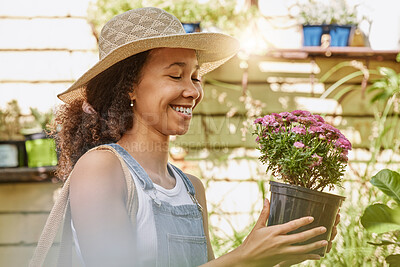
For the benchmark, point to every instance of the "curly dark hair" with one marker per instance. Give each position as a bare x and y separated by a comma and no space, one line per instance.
108,94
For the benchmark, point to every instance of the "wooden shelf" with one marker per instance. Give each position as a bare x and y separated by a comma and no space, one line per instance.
25,174
343,52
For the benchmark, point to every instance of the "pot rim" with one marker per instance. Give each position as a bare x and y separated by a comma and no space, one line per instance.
304,190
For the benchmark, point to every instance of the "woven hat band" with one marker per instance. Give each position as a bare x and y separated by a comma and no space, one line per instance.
135,25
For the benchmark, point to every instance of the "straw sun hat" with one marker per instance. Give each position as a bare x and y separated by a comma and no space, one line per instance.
146,28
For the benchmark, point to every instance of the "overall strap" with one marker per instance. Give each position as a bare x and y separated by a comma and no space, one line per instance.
134,166
189,186
186,181
61,211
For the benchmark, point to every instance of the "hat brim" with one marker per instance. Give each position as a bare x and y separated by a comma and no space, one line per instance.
213,49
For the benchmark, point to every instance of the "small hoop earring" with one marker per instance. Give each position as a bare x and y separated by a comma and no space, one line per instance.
131,102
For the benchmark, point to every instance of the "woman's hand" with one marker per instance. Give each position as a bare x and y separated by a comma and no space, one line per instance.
334,232
269,246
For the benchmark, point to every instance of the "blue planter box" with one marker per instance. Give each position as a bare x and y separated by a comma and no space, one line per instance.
340,35
312,34
191,27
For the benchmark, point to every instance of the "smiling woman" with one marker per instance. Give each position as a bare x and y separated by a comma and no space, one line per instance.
144,89
168,88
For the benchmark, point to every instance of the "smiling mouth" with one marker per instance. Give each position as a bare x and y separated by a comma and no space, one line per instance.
181,109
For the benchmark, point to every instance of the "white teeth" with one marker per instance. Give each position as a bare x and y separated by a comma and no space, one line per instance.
183,110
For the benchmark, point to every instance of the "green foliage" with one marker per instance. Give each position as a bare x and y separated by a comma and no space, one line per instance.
388,182
42,119
387,86
222,14
13,124
384,103
380,218
10,125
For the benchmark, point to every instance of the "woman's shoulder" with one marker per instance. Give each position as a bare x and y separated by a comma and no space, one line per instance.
98,170
98,161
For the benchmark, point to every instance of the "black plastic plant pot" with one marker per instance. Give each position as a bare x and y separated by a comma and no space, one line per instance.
290,202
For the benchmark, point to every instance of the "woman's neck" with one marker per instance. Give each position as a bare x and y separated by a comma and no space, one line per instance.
150,149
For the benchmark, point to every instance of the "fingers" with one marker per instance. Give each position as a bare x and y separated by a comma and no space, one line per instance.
297,259
262,220
293,225
304,236
337,220
334,233
329,247
306,248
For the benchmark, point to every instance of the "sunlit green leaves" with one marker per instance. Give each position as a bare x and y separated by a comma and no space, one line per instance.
387,86
379,218
388,182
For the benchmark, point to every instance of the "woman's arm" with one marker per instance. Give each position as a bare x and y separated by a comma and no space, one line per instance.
265,246
98,195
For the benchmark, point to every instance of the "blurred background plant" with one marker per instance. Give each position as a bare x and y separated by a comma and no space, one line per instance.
213,15
314,12
14,125
10,125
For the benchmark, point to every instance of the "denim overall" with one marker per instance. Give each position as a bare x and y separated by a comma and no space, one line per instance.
179,229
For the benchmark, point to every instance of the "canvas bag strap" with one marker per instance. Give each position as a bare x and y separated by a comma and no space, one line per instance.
65,254
60,207
51,227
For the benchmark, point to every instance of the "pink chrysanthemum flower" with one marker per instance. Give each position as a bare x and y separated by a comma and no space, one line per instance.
298,144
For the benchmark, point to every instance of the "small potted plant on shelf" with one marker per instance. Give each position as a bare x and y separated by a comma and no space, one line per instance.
336,18
40,147
309,155
12,145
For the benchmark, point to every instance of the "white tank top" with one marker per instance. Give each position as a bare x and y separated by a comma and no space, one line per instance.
146,229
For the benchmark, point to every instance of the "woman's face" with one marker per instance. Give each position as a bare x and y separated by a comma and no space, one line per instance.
168,91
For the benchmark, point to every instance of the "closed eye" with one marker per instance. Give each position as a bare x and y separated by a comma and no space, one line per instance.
175,77
196,80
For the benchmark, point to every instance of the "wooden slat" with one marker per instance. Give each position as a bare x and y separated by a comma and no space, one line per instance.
45,66
64,33
43,8
25,174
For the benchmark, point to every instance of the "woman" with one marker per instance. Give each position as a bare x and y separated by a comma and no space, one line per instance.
144,89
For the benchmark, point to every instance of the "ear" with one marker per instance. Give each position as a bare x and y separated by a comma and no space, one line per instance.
132,95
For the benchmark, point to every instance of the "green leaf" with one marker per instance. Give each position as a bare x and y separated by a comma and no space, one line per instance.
393,260
379,96
384,243
387,71
379,218
379,84
388,182
398,57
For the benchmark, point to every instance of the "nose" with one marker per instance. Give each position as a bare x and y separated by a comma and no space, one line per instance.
193,90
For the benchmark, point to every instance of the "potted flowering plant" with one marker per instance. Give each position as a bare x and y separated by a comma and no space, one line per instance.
336,18
309,155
